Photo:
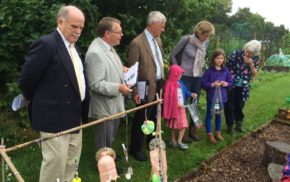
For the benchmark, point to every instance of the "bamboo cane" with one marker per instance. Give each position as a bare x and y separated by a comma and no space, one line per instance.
11,166
2,159
118,115
160,141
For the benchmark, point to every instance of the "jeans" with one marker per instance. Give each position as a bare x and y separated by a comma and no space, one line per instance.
208,117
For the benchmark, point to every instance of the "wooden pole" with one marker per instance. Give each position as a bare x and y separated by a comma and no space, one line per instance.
118,115
10,164
3,163
255,35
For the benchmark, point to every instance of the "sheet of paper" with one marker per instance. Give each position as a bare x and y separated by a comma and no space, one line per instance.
19,102
142,89
131,76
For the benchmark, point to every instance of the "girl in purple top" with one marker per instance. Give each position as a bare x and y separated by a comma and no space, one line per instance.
217,75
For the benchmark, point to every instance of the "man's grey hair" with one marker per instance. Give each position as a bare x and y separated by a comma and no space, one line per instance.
253,47
155,17
63,12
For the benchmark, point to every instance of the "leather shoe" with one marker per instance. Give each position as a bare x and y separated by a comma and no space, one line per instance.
140,156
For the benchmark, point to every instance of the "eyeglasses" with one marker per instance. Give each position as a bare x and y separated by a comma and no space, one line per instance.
120,33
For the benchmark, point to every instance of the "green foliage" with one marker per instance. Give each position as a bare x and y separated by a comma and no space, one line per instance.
22,22
286,49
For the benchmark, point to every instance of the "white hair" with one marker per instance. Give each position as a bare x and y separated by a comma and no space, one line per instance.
155,17
253,47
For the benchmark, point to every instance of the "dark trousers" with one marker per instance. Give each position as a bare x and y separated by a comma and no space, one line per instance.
234,106
137,136
193,84
105,133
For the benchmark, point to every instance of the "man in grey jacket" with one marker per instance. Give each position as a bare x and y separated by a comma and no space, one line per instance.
105,73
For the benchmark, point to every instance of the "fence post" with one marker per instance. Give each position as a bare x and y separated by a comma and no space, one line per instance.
3,162
255,35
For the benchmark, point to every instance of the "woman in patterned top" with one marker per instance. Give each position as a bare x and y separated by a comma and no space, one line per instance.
243,65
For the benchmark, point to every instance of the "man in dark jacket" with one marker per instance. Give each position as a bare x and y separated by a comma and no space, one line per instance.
53,82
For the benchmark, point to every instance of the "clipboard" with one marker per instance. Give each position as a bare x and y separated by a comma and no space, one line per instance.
143,89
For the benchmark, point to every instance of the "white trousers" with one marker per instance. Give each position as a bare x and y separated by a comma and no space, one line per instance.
60,157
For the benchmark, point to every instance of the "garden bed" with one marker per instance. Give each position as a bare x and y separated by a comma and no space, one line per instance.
242,160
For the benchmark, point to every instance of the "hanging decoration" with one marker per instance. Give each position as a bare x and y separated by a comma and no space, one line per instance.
157,153
76,176
148,126
105,158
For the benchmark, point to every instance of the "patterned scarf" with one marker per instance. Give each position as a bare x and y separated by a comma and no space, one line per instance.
199,56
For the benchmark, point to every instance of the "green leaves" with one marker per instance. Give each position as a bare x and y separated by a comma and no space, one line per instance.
22,22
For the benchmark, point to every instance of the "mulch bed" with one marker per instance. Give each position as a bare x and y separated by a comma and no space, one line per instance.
242,160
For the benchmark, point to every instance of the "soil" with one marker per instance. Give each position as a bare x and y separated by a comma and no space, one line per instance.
242,160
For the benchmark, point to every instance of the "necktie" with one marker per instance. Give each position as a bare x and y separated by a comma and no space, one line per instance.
158,56
80,77
117,59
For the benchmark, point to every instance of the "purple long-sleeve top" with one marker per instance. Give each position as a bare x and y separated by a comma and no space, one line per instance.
211,75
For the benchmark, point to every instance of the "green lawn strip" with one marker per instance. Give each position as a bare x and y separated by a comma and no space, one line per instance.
269,92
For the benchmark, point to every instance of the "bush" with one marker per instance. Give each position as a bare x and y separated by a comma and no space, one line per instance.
22,22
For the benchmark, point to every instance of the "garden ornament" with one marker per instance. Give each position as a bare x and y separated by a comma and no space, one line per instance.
148,127
106,164
157,153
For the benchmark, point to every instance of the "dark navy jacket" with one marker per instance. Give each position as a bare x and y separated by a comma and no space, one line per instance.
48,80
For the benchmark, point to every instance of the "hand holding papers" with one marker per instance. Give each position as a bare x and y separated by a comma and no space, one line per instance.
130,76
18,102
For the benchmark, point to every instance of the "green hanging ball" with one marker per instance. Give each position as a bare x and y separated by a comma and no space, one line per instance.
148,127
155,178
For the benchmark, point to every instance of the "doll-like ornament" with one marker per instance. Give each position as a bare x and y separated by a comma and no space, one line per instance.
106,164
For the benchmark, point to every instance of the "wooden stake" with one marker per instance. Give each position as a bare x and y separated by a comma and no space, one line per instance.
3,163
10,164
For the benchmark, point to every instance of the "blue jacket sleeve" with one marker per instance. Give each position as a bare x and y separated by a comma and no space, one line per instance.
185,92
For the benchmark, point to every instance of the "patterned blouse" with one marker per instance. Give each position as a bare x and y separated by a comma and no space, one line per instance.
241,72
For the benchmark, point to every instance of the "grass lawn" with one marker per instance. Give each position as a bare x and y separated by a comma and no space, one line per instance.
269,92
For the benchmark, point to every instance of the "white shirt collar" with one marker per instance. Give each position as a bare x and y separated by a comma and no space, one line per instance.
106,44
66,42
148,34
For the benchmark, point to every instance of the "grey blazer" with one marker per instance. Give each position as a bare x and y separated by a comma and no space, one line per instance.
104,74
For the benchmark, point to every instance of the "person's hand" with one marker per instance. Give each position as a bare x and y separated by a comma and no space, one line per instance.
224,84
129,85
137,99
216,84
124,89
180,106
249,61
194,95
